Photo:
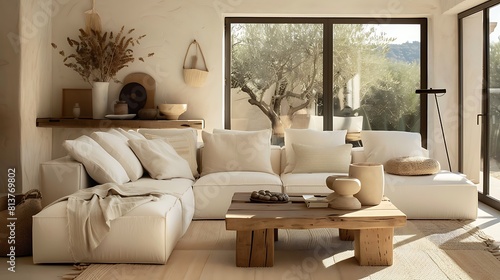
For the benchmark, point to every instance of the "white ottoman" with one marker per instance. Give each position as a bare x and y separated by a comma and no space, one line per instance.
147,234
444,195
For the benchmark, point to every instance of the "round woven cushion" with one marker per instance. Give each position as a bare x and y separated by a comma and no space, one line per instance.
410,166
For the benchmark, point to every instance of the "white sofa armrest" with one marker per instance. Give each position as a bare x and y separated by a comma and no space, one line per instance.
61,177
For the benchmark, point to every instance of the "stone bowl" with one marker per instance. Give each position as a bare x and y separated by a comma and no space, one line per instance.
147,114
172,111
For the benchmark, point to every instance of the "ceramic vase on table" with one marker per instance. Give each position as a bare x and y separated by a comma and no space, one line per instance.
371,176
99,99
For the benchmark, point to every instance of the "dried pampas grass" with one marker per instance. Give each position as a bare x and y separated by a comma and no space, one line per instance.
98,57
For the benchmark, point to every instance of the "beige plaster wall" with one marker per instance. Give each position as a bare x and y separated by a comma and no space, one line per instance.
35,85
25,75
10,64
171,24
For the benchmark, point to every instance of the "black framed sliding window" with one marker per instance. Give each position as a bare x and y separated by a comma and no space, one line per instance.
319,72
479,74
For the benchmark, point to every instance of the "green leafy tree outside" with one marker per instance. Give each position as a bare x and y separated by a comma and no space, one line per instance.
495,99
286,60
283,58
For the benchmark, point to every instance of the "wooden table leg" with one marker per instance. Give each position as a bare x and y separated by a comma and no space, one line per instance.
374,246
346,234
255,248
275,234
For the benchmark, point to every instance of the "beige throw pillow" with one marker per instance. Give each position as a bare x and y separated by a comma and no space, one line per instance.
119,149
249,151
131,134
312,138
184,144
100,165
326,159
160,159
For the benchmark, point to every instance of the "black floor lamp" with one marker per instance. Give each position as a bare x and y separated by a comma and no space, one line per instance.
441,91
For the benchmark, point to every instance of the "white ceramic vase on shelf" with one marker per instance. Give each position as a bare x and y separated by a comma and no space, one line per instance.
371,176
76,110
99,99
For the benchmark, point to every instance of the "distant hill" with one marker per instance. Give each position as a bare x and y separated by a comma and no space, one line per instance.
407,52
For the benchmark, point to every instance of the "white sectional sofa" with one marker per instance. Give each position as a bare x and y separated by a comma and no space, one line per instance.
149,233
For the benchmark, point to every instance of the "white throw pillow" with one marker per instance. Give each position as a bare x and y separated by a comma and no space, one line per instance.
312,138
160,159
322,159
381,146
100,165
248,151
184,144
119,149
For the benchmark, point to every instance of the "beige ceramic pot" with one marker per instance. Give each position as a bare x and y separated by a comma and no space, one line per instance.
371,176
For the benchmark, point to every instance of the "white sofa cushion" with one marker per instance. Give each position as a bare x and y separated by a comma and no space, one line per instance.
213,192
182,140
178,187
249,151
100,165
309,137
160,159
381,146
317,159
119,149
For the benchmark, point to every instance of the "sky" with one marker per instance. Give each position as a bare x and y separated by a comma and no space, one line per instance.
402,32
495,17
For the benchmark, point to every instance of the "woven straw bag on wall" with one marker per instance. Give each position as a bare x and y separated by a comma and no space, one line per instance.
192,76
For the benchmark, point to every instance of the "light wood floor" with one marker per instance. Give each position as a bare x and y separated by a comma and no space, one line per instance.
488,221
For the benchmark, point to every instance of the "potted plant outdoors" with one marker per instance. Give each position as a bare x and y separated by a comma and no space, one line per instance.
97,58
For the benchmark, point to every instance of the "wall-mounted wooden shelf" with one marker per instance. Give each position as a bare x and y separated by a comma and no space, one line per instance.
105,123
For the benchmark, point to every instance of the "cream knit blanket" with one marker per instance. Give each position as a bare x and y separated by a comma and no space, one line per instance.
90,212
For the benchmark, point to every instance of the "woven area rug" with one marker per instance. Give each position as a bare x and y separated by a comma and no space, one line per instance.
423,249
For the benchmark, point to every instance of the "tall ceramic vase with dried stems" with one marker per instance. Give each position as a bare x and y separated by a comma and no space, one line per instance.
99,99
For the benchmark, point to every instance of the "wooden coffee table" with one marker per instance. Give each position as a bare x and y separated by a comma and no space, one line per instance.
256,224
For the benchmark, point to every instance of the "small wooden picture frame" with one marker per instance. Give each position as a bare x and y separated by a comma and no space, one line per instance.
83,97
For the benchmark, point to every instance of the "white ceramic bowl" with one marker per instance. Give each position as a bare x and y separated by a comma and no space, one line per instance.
172,111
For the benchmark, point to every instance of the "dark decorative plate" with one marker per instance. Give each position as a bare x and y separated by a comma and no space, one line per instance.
135,95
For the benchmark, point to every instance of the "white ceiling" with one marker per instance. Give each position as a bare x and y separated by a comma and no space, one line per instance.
457,6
